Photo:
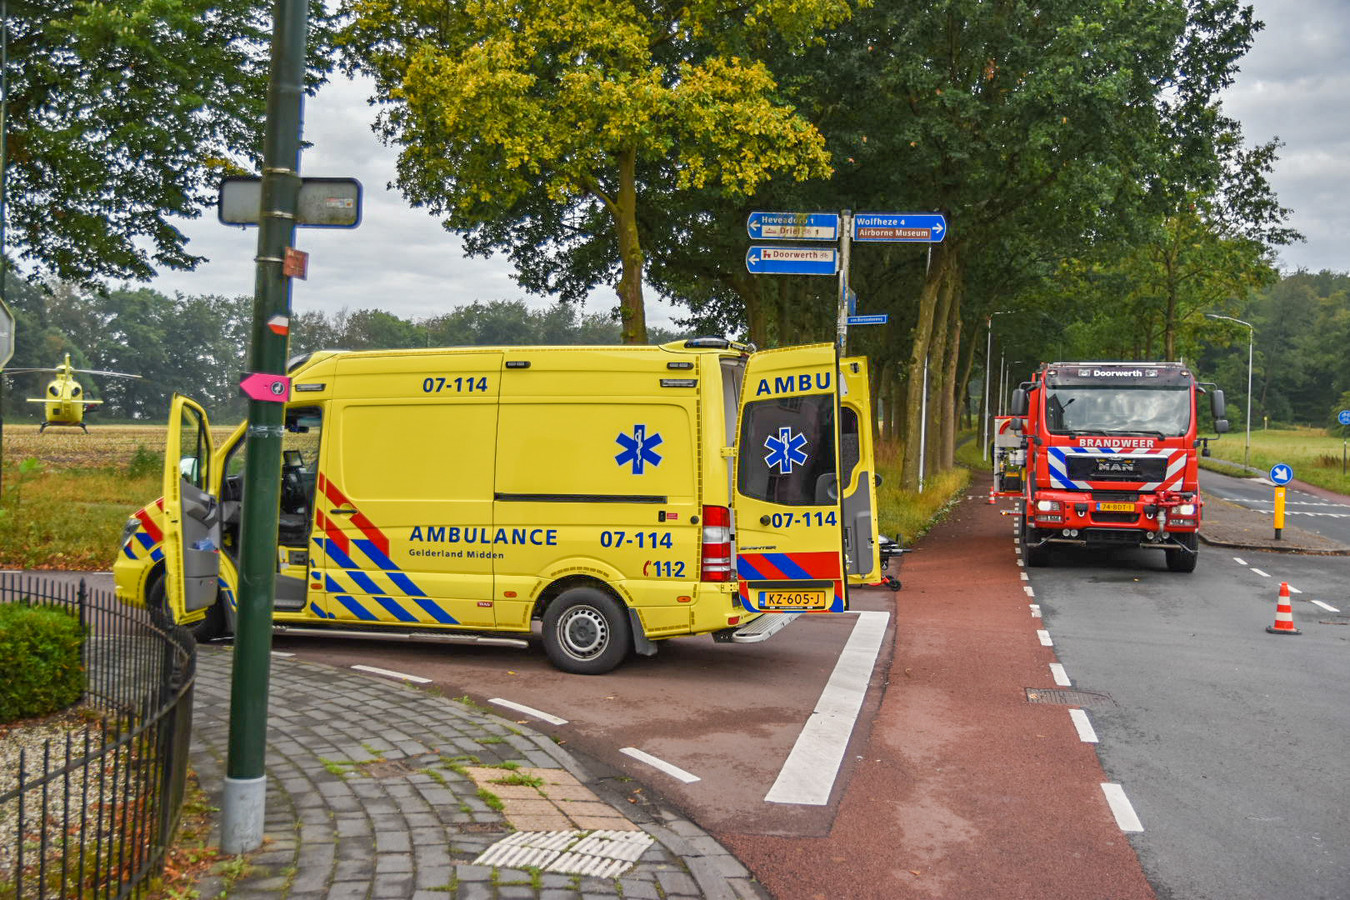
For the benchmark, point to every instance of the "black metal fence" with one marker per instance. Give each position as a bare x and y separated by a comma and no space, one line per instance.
89,803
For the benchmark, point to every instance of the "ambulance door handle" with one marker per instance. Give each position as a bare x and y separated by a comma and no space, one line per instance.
764,520
342,511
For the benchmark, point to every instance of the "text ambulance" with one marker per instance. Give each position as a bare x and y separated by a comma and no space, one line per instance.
620,495
1111,458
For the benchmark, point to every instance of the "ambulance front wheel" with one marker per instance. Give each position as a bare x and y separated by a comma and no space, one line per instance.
586,632
203,630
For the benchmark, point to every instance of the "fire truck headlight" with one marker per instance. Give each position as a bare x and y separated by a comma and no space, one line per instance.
1185,509
1047,506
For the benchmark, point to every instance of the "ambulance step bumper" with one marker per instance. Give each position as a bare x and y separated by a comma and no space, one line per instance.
761,629
426,637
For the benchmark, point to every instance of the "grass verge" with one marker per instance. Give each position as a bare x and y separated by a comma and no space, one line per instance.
907,516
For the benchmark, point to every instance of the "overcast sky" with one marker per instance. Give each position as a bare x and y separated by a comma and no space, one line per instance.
1295,85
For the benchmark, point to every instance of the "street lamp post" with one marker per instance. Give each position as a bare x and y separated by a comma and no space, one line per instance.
1251,339
988,351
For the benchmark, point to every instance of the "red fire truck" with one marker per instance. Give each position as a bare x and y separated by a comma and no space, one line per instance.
1111,458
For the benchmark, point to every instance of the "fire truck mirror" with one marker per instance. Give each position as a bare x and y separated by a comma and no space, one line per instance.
1016,425
1216,405
1220,426
1019,403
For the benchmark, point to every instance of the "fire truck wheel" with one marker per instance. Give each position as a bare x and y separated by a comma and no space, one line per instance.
203,630
1033,556
586,632
1182,560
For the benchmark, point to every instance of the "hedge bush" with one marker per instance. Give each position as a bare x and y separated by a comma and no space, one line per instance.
41,669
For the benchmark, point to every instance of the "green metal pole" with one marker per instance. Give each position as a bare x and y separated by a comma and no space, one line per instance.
245,777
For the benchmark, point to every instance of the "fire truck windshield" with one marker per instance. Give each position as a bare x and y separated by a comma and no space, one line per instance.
1118,409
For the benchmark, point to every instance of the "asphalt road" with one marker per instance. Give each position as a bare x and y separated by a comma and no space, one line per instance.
1230,742
1322,512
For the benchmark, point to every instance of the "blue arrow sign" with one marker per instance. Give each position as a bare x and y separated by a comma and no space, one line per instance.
880,319
1343,417
1281,474
791,261
929,228
793,226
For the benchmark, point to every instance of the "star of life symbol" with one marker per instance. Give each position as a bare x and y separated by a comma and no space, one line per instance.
639,449
785,451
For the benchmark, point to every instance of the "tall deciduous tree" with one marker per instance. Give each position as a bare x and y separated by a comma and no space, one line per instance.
528,122
123,114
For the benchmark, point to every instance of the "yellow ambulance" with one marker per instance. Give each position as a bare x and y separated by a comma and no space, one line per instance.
618,496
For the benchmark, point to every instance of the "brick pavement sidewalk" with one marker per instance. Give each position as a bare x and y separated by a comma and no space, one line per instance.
380,790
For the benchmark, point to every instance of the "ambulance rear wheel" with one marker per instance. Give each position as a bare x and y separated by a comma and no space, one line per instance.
586,632
203,630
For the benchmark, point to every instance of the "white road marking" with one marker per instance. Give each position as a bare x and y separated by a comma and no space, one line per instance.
1025,576
808,775
1020,563
529,711
1030,592
671,770
1294,590
1259,572
1061,677
1239,560
1035,610
1044,637
1121,808
1086,733
1327,606
389,673
282,653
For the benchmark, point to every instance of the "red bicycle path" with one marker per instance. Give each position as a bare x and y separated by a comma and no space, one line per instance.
962,788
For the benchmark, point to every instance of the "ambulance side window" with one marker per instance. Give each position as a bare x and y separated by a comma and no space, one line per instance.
849,452
786,450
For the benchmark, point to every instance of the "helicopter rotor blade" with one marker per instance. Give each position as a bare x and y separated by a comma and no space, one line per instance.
101,372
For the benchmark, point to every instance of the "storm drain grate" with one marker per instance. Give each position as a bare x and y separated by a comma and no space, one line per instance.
600,854
1060,697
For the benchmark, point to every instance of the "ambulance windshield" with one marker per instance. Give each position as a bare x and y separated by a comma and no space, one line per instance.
1118,409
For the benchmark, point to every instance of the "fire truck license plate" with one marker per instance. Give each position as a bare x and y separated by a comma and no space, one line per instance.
1115,507
792,600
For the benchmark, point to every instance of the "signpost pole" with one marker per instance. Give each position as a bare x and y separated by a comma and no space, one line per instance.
243,802
1279,511
845,229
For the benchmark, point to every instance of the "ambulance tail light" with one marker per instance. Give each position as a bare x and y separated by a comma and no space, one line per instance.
716,562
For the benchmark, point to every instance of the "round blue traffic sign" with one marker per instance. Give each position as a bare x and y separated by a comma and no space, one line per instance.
1281,474
1344,417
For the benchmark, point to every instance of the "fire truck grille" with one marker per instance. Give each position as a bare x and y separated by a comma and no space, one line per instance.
1116,467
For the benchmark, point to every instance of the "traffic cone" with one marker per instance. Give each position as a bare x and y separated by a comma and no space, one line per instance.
1284,614
992,501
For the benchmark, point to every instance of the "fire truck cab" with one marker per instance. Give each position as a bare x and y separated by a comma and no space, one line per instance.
1111,451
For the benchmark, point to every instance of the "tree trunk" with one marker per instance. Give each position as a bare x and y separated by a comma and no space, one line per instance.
949,380
938,349
632,313
923,332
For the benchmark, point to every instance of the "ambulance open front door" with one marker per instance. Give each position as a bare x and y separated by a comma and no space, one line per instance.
191,513
788,517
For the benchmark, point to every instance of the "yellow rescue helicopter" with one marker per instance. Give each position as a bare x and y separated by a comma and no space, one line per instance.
65,401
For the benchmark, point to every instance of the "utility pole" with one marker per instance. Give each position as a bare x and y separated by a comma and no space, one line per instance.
242,810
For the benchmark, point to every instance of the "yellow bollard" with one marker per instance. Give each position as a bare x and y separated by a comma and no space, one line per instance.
1279,511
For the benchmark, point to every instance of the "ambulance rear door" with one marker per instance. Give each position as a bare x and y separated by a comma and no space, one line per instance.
191,512
788,520
858,469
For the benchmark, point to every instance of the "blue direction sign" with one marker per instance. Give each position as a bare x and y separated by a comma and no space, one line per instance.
879,319
1281,474
927,228
792,261
1343,417
793,226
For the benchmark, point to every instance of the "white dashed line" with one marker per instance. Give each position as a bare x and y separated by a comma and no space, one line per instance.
808,775
1030,592
1327,606
1061,677
1083,725
1121,808
282,653
1035,610
529,711
671,770
1239,560
1044,637
1259,572
1020,563
1294,590
388,673
1025,576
